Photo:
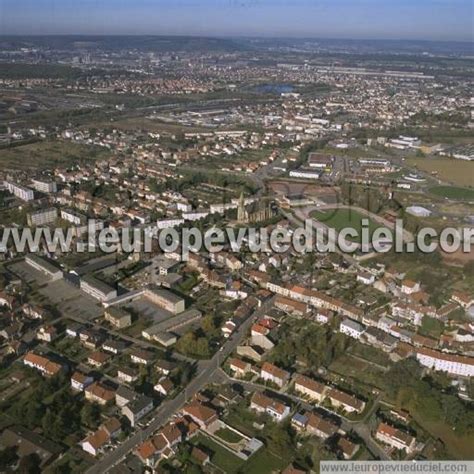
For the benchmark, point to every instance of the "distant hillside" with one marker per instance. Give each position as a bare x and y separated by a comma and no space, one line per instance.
143,43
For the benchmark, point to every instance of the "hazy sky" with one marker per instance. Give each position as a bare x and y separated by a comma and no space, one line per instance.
393,19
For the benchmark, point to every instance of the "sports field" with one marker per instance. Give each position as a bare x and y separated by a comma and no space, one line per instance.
453,192
457,172
340,219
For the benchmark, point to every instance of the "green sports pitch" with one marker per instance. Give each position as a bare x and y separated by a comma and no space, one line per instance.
453,192
340,219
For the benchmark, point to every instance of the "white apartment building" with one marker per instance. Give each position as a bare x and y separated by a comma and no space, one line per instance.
72,217
42,217
351,328
304,174
44,186
443,362
21,192
195,216
169,223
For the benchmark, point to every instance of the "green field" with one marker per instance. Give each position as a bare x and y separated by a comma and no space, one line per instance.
264,462
339,219
457,172
454,192
221,457
228,436
49,154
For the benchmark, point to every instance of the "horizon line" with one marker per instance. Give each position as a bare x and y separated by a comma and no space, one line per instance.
233,36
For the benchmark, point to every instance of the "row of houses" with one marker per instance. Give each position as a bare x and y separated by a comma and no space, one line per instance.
305,386
307,423
317,391
313,424
307,296
262,403
163,445
96,442
44,364
195,416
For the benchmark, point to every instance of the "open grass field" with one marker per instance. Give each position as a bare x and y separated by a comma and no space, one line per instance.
359,152
264,462
49,154
220,457
339,219
457,172
456,446
458,258
229,436
454,192
362,374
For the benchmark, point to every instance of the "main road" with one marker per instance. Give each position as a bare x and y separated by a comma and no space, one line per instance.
206,370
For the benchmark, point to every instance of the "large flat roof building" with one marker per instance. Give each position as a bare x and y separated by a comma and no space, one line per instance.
165,299
42,265
97,289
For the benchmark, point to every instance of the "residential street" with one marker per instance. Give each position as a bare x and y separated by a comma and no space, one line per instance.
205,372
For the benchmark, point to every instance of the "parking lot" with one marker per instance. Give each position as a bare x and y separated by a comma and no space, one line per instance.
150,310
70,300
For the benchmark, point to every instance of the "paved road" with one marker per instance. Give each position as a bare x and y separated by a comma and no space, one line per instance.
206,370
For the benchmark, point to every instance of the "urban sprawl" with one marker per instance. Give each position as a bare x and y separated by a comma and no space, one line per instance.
189,360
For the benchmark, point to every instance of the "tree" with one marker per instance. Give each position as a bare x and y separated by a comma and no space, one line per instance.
208,325
186,375
48,424
63,468
90,415
469,269
193,469
30,464
202,347
187,343
280,440
33,413
8,457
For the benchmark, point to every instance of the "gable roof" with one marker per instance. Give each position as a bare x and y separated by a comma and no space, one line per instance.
199,411
275,371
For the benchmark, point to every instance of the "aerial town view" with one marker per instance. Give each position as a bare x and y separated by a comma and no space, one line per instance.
235,236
